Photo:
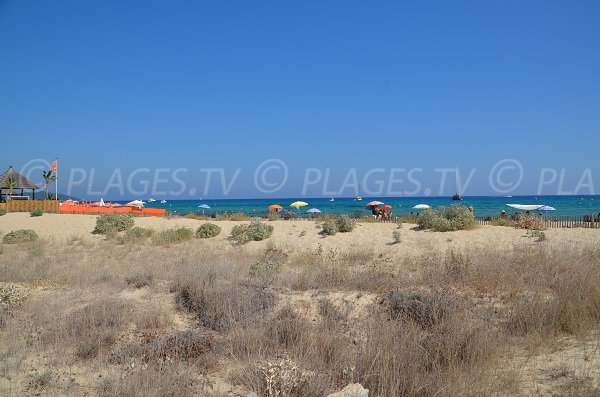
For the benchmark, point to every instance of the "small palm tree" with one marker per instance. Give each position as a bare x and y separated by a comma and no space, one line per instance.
12,184
48,177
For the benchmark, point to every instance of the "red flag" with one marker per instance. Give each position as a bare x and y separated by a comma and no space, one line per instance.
54,166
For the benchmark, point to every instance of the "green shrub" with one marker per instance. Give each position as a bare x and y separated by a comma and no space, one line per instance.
446,219
329,227
208,230
172,236
255,231
113,223
503,222
136,235
2,211
274,216
37,212
344,224
20,236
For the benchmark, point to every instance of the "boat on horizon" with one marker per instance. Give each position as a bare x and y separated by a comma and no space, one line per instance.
331,199
163,201
456,196
151,200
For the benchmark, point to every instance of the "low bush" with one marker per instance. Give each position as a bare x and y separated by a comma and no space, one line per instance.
140,280
344,224
503,222
136,235
20,236
172,236
255,231
2,211
446,219
396,237
329,227
37,212
208,230
424,308
111,224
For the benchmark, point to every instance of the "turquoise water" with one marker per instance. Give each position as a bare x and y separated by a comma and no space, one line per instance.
483,206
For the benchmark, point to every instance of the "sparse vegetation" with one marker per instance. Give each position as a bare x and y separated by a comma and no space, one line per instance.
2,211
172,236
278,320
136,235
396,237
20,236
503,222
208,230
255,231
110,224
446,219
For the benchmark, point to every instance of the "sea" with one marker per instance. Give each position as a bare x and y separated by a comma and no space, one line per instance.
482,205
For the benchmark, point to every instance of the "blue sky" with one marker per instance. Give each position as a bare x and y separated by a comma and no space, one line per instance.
339,84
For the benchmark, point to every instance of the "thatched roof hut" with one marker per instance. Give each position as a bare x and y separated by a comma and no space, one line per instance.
21,182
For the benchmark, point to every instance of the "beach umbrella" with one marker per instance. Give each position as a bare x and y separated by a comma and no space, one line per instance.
314,211
422,207
546,208
275,207
298,204
204,206
525,207
374,204
386,207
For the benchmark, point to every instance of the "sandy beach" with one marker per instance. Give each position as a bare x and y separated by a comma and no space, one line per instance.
304,235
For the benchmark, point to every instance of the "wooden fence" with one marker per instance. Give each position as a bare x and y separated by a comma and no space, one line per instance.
30,205
585,221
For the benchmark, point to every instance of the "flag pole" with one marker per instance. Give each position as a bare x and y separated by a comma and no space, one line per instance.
56,179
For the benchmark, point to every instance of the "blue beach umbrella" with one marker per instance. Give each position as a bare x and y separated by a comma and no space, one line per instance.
546,208
204,206
313,211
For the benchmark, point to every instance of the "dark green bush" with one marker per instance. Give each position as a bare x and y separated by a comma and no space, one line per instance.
172,236
2,211
113,223
255,231
446,219
37,212
208,230
20,236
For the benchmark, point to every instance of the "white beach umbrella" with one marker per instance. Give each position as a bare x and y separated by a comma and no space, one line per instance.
422,207
314,211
